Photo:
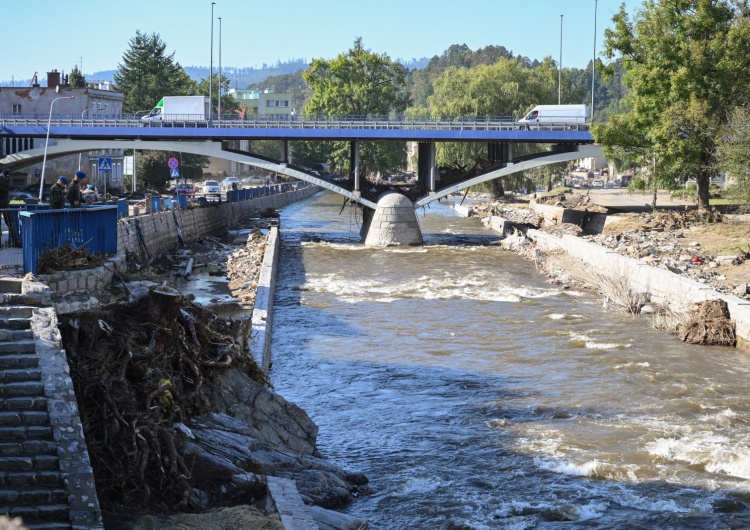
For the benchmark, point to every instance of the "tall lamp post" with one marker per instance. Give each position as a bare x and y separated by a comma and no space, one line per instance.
211,67
219,71
593,64
559,73
46,142
79,154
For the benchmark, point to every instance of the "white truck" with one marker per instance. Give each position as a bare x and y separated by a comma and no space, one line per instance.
179,108
558,114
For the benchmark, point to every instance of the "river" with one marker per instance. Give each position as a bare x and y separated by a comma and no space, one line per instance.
475,395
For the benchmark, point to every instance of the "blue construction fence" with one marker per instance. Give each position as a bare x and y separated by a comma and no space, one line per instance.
93,227
37,228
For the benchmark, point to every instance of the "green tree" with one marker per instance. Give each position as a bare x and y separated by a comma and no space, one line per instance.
360,83
734,153
228,103
147,74
153,170
76,79
681,61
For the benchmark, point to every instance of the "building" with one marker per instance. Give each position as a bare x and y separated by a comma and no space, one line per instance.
263,102
96,100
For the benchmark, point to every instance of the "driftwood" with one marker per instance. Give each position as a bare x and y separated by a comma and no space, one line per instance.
709,324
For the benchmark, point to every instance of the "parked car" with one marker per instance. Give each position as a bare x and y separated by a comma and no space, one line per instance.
34,190
230,183
597,183
183,189
17,194
211,187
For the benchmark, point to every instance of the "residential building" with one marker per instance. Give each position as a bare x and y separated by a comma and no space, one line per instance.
263,102
96,100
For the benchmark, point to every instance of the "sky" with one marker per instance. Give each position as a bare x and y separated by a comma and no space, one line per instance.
93,35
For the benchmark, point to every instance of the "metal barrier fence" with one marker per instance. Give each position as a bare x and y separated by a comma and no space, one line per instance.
94,228
30,229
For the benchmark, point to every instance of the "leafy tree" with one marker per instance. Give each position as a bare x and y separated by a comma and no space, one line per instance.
153,170
734,153
228,103
76,79
361,83
147,74
681,60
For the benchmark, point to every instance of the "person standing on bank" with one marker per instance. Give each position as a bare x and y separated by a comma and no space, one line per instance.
5,206
74,190
57,194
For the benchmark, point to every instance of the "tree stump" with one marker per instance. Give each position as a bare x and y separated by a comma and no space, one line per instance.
163,306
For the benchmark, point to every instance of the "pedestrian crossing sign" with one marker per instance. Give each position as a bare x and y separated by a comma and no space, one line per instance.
174,173
105,164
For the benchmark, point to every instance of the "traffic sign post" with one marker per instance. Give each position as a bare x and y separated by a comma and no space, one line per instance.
105,165
174,173
173,163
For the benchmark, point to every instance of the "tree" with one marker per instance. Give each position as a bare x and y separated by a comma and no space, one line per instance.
228,103
681,61
361,83
734,153
154,171
147,74
76,79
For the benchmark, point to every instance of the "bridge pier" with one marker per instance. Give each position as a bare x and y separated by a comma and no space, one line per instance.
426,171
394,222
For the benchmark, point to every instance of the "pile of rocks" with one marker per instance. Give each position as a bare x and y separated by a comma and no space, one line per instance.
672,251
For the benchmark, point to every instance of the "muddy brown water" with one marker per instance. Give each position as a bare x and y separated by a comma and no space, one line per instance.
474,395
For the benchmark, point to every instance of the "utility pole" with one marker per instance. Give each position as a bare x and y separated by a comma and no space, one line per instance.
593,65
211,67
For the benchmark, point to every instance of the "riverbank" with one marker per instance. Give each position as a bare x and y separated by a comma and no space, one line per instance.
653,263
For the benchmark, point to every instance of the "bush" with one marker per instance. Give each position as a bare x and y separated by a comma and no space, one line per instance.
637,184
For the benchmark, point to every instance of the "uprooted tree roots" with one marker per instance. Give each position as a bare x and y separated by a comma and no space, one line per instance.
137,370
709,324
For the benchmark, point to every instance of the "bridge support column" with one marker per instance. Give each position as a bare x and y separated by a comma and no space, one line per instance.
500,152
393,223
284,152
354,163
426,170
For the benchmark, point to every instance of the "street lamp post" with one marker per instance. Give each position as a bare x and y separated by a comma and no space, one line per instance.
593,64
79,154
559,73
211,67
46,143
219,71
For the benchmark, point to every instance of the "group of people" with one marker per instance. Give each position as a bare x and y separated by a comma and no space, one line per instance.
62,191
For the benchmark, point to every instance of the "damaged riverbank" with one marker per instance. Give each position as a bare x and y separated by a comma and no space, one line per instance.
659,264
177,413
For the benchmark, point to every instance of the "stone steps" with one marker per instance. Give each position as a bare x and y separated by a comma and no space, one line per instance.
31,484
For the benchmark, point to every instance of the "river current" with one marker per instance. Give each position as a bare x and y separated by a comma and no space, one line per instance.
475,395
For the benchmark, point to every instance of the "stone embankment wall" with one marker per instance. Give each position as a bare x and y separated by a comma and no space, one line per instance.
159,232
160,229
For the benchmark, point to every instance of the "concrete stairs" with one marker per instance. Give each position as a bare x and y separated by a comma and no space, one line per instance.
31,484
45,473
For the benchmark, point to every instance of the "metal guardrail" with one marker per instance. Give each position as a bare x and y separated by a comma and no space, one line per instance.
312,121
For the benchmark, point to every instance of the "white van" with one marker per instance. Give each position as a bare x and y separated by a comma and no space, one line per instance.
557,114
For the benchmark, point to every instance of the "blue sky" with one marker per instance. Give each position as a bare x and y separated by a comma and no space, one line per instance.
42,35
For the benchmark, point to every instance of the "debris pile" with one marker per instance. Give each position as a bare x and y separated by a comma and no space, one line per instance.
243,267
67,258
138,370
709,323
522,216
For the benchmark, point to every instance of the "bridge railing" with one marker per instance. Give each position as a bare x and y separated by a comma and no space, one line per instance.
302,121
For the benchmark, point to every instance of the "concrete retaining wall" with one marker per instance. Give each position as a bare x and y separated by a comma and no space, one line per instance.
589,221
662,286
262,319
161,231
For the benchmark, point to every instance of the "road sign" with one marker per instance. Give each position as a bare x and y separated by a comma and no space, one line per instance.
173,163
174,173
105,164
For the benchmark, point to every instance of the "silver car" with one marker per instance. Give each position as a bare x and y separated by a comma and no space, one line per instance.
211,187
